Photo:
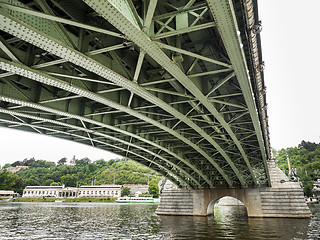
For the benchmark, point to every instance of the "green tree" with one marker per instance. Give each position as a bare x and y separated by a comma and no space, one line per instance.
62,161
17,163
10,181
307,185
55,184
48,182
153,188
69,180
83,162
6,165
32,182
125,191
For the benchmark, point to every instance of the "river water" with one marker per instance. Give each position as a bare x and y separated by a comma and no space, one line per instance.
127,221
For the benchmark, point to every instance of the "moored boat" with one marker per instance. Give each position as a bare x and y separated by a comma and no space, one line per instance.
137,200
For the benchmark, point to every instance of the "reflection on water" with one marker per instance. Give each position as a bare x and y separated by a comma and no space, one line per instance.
125,221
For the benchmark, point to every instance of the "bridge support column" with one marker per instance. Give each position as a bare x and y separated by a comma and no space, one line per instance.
200,202
281,200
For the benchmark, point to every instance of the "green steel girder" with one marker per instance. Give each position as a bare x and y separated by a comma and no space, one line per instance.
84,129
158,108
59,19
224,15
37,76
116,17
103,125
33,36
86,138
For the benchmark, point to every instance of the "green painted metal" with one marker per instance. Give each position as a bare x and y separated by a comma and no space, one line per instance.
33,36
164,86
23,70
90,121
57,123
223,13
144,42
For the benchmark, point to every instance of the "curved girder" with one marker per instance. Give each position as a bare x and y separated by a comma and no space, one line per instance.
195,63
135,34
101,135
25,71
224,14
104,125
10,112
27,33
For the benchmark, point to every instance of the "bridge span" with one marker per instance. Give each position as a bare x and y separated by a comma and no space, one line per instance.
176,85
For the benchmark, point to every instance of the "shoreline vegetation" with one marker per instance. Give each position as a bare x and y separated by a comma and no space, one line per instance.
74,174
53,199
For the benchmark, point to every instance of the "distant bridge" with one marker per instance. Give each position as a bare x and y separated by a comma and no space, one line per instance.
175,85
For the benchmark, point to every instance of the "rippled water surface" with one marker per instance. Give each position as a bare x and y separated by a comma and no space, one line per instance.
117,221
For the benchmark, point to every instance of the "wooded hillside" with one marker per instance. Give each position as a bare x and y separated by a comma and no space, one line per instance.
85,172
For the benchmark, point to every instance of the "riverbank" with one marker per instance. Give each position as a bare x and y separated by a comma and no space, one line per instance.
53,199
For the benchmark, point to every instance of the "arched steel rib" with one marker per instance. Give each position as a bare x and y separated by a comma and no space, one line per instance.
227,25
104,125
112,14
10,112
25,71
27,33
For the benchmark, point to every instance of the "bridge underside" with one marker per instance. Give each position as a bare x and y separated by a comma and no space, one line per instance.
175,85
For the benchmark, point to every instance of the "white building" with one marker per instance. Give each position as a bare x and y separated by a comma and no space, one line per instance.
42,191
63,192
107,190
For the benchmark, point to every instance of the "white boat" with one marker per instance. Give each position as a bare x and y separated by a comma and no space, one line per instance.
60,200
137,200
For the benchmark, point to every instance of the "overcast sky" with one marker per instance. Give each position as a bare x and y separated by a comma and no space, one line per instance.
290,49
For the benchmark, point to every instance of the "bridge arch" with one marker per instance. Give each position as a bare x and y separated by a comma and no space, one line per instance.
183,104
250,197
210,207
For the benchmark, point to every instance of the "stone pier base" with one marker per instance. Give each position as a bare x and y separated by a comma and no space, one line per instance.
281,200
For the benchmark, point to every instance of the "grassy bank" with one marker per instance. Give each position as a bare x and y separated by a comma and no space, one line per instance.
35,199
3,198
52,199
91,199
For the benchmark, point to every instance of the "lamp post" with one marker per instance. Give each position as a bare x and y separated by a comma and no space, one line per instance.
289,166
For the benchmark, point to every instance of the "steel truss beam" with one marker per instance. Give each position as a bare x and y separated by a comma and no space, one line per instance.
66,115
167,170
27,33
88,131
116,17
41,77
194,89
224,15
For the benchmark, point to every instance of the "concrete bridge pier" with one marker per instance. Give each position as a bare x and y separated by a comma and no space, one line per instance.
200,202
283,199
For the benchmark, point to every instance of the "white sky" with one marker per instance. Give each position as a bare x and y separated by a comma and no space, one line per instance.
17,145
290,49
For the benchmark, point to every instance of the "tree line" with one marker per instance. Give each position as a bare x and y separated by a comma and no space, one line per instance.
84,172
305,158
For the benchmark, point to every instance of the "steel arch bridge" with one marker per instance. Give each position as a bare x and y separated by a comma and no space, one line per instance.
176,85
